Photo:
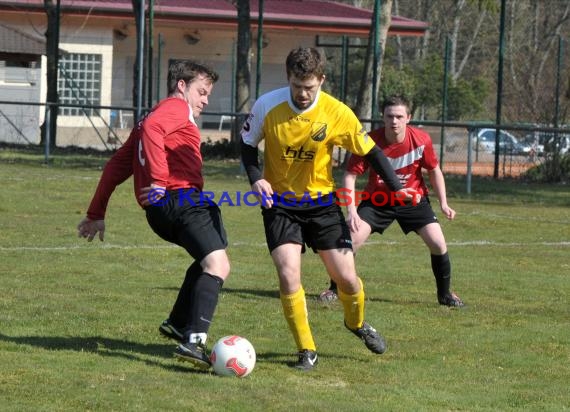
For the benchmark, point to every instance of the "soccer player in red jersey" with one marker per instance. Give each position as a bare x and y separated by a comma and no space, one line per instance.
409,150
163,155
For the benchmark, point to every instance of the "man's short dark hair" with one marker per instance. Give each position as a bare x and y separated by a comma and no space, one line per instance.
188,70
395,100
305,62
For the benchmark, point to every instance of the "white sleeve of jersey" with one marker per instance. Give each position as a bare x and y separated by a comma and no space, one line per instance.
252,130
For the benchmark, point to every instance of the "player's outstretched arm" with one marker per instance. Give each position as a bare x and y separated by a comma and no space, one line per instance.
379,162
88,228
437,181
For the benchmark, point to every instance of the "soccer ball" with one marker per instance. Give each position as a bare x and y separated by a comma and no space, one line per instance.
233,356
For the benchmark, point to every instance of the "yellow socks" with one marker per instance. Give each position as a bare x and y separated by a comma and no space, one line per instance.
295,311
353,307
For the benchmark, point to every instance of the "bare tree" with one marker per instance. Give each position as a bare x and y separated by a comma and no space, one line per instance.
400,54
363,107
533,32
456,68
424,13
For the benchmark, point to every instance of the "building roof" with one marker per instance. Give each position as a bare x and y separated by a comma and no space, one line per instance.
321,16
14,41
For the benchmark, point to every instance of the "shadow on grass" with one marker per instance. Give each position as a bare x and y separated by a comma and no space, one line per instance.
289,359
104,347
255,292
313,297
132,351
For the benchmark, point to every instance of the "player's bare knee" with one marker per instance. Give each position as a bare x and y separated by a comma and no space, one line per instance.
438,249
348,285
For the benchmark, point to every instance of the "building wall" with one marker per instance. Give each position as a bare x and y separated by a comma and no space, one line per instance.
94,35
19,123
93,38
216,48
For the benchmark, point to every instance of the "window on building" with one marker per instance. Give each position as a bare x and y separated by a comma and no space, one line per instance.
79,82
19,68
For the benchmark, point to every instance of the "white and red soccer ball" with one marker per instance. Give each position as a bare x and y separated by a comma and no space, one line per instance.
233,356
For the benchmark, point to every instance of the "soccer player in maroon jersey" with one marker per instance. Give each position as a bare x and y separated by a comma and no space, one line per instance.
163,155
409,150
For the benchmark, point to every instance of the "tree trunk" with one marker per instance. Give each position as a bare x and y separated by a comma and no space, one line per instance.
364,101
137,74
52,53
454,36
243,71
400,53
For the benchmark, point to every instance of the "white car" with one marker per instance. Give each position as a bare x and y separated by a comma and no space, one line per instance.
547,141
508,144
543,142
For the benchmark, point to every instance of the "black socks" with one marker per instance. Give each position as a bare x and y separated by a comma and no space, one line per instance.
441,267
203,302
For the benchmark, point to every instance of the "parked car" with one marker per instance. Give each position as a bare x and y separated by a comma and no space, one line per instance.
508,144
545,142
532,140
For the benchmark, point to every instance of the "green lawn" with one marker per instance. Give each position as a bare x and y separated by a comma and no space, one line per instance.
78,321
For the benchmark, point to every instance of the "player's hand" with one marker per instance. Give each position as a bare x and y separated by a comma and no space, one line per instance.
151,195
409,195
353,220
88,228
448,212
265,193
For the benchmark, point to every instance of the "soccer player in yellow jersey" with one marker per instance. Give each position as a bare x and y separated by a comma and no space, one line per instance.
301,124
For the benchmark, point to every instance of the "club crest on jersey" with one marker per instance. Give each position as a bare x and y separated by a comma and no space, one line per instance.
319,131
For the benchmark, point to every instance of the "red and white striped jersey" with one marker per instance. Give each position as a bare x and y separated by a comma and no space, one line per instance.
408,158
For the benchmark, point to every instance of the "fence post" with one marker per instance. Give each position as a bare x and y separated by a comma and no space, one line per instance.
499,88
444,100
47,124
470,133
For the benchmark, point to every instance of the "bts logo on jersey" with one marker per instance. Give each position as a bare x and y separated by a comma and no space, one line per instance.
298,154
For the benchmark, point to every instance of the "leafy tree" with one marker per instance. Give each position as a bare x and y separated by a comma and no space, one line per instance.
466,99
399,81
429,73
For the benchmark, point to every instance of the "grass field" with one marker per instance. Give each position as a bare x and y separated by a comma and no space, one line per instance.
78,321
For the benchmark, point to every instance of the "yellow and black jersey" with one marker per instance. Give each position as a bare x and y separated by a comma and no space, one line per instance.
299,143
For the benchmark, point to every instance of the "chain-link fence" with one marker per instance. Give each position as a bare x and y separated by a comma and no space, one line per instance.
95,127
474,149
463,148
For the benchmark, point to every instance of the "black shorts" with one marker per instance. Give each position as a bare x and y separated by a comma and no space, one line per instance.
188,222
317,227
409,217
